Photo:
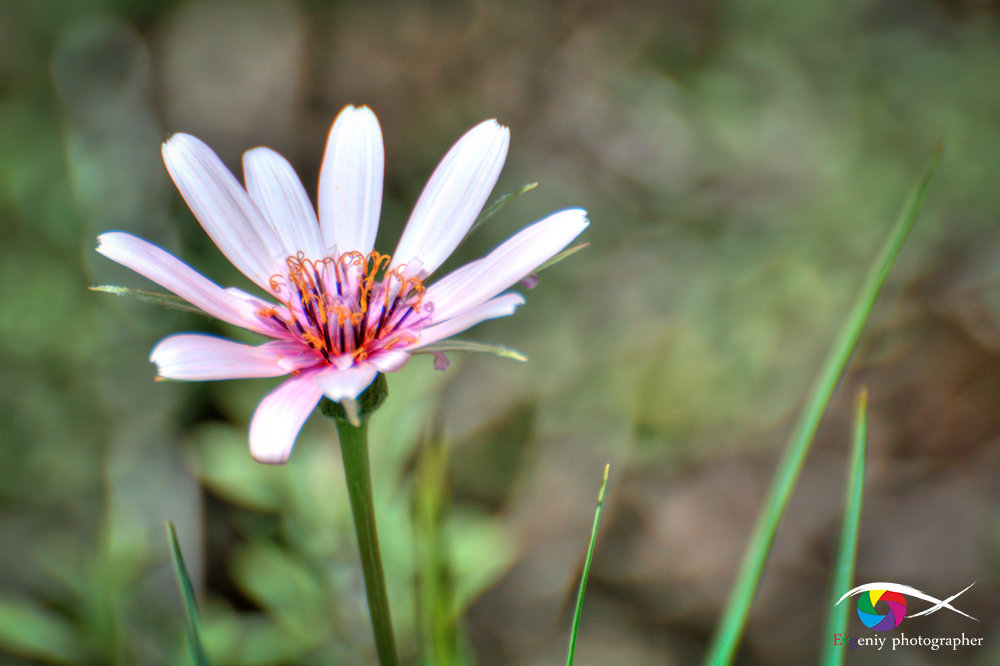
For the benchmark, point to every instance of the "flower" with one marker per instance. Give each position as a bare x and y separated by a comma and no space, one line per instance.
342,311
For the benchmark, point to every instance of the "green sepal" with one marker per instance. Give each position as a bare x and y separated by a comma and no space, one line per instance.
359,408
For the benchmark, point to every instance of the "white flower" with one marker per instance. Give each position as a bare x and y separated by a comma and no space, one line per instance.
343,312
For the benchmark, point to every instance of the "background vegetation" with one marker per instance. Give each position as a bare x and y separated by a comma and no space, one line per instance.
741,163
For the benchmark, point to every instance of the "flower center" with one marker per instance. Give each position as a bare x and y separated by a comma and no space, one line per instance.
350,303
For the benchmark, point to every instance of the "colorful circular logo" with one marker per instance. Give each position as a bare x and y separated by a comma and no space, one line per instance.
881,621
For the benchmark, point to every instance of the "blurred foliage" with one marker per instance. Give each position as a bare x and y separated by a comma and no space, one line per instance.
741,163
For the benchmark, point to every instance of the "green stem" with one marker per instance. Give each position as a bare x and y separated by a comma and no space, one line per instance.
354,449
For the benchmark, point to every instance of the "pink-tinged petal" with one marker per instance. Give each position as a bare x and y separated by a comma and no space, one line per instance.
338,385
292,355
223,208
280,416
279,195
350,182
174,275
388,361
510,262
194,357
501,306
454,196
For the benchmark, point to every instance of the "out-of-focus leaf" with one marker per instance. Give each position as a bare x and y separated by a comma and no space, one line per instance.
292,593
223,463
250,639
30,630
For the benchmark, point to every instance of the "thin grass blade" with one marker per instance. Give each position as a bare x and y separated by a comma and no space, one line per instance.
495,207
730,629
472,346
565,254
843,577
586,569
155,297
198,656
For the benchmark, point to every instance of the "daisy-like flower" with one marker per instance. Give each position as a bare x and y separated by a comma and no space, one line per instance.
342,312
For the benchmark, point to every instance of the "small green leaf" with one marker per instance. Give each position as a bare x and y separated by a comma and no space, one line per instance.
155,297
495,207
187,596
586,569
470,346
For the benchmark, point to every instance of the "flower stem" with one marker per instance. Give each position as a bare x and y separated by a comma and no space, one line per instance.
354,450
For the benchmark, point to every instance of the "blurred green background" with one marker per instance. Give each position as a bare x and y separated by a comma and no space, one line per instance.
741,163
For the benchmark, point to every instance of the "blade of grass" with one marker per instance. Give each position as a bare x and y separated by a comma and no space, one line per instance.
565,254
471,346
833,653
744,589
586,569
155,297
187,596
495,207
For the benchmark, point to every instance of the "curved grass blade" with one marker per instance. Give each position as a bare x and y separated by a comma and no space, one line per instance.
586,569
833,654
187,596
744,589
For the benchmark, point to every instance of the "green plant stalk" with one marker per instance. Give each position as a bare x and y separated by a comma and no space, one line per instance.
187,596
833,655
586,570
730,629
354,450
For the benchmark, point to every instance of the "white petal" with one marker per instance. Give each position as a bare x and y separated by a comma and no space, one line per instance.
194,357
280,416
454,196
350,182
173,274
223,208
338,385
474,283
389,361
501,306
279,195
